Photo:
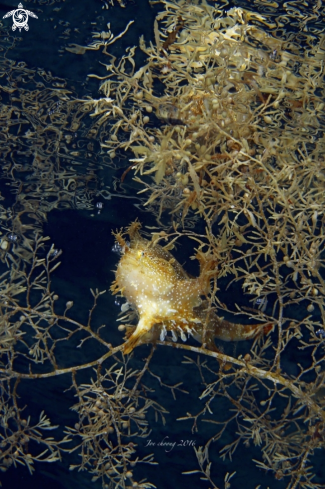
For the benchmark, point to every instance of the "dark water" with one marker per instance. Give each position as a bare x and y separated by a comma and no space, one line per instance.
87,261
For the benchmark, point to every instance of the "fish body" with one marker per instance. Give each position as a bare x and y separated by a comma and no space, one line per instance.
167,299
157,286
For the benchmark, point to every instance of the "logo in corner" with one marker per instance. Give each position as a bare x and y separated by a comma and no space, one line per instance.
20,18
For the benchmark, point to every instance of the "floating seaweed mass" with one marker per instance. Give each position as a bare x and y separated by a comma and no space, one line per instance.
222,131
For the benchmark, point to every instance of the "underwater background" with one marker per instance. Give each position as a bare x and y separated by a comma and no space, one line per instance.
81,226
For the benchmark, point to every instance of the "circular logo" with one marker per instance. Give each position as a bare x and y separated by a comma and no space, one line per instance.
20,19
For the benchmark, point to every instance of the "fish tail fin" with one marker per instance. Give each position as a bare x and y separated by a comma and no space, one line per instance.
253,330
227,331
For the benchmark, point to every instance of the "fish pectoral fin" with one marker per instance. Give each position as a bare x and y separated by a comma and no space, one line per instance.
131,343
144,326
